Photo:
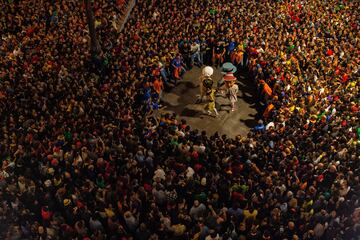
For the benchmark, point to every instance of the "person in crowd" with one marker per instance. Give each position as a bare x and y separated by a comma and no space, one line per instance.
158,86
237,55
178,68
219,53
195,54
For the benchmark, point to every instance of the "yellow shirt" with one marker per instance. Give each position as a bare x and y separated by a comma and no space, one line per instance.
109,212
252,215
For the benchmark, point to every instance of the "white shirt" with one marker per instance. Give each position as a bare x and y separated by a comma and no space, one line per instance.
195,48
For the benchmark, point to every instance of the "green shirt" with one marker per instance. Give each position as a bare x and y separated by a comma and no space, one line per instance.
68,136
201,197
212,11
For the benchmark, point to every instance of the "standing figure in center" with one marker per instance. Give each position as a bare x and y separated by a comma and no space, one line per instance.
206,74
211,106
233,89
226,68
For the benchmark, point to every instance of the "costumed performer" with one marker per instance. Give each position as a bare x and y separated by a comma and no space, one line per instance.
233,89
206,74
226,68
210,93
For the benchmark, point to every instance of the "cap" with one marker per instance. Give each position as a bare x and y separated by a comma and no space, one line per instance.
228,67
67,202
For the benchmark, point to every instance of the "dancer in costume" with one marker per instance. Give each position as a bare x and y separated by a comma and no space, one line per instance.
210,106
226,68
206,74
233,90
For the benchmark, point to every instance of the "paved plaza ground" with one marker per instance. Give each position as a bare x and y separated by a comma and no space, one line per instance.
182,100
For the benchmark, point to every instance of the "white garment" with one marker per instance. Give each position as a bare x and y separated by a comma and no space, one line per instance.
233,90
195,48
269,125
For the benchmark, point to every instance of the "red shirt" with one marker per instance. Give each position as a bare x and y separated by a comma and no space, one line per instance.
345,78
46,214
329,52
29,31
337,71
237,196
120,2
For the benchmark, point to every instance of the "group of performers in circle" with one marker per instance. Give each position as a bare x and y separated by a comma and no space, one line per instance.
226,84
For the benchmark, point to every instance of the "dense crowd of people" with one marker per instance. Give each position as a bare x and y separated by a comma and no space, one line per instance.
81,159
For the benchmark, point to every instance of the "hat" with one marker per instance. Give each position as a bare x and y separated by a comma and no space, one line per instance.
228,67
207,71
66,202
229,77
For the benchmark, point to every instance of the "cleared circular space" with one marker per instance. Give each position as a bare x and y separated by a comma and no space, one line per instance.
182,100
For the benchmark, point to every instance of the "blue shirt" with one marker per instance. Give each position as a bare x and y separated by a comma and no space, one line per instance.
155,106
176,62
231,46
260,127
147,94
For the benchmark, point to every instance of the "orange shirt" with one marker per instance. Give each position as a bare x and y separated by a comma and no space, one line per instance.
158,85
268,109
267,89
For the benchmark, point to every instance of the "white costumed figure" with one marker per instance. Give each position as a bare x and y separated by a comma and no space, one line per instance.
206,74
229,80
232,89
